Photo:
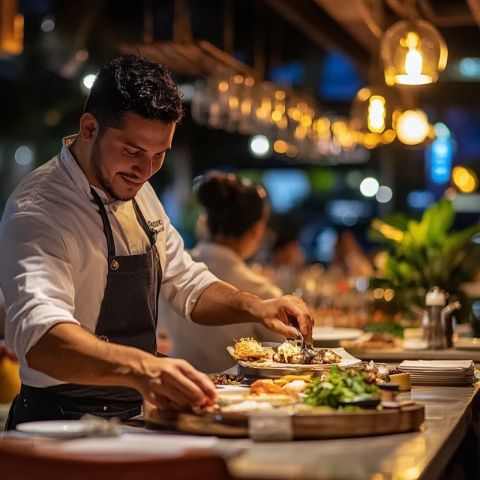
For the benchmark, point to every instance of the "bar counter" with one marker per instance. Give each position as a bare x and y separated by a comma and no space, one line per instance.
397,356
449,414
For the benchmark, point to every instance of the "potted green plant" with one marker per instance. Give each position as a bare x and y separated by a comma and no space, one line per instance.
423,253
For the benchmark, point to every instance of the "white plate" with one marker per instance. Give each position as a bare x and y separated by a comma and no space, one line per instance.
344,362
264,368
55,428
327,333
233,388
468,343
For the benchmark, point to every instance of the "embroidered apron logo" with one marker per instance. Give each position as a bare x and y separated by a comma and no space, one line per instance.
155,228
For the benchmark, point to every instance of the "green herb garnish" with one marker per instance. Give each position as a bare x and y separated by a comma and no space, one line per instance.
339,387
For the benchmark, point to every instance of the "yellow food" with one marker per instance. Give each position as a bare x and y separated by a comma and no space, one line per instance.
290,378
9,379
249,349
265,386
402,380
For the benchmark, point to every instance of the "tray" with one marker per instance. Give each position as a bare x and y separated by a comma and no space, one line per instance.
294,426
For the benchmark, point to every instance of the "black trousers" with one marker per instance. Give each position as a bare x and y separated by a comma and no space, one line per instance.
36,404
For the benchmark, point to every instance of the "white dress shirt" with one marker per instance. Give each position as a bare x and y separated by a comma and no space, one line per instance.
205,347
53,255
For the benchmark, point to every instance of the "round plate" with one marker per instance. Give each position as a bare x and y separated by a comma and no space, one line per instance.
275,370
55,428
468,343
232,388
327,333
271,369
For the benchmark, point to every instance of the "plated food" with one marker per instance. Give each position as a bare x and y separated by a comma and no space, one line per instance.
250,350
402,379
337,403
224,379
374,341
336,388
251,353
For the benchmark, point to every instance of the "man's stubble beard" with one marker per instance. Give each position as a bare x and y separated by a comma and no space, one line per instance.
96,165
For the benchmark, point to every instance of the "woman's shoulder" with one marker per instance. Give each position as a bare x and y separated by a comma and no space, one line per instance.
245,278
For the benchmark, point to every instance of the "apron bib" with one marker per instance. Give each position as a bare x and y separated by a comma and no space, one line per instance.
128,316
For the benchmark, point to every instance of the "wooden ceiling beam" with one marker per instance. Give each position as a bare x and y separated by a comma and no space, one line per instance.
448,17
474,6
321,29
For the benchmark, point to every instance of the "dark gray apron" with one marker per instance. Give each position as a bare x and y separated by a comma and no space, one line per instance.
128,316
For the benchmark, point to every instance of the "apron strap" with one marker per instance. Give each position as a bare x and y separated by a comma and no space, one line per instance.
106,224
108,229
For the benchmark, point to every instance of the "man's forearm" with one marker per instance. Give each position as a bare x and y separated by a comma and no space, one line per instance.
69,353
222,304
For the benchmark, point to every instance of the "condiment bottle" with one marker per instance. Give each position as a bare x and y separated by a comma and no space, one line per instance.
433,329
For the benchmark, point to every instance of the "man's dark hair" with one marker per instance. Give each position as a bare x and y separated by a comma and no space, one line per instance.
137,85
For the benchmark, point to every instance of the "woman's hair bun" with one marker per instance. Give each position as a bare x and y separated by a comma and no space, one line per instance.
217,190
232,204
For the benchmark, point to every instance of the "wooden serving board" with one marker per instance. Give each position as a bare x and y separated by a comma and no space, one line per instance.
303,425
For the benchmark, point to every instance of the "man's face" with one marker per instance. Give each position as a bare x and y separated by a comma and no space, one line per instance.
122,160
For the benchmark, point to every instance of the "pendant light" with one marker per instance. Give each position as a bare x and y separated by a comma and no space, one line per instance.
371,115
412,127
413,53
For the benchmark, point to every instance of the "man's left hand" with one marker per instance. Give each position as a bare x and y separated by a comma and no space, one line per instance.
286,315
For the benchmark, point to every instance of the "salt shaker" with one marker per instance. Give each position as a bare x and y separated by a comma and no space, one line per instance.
433,328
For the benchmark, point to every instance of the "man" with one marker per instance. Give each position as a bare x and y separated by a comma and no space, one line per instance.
85,249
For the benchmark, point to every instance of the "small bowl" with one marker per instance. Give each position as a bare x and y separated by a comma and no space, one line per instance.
368,403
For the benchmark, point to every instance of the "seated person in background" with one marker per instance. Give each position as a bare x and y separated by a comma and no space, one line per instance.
286,259
350,258
236,219
287,252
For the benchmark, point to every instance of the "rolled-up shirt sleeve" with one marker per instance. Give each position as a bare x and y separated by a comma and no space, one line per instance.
36,280
184,280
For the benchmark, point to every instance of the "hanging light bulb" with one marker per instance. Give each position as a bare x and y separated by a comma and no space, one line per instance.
413,53
377,112
371,114
413,62
412,127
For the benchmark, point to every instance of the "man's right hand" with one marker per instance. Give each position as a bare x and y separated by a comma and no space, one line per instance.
73,355
169,382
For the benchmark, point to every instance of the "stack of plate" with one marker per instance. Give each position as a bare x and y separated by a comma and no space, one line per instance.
439,372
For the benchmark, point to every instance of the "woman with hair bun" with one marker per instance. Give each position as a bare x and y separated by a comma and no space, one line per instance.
235,220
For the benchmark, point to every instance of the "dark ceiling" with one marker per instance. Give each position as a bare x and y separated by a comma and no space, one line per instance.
260,33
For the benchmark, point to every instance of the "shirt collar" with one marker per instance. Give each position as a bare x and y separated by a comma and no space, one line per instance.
77,175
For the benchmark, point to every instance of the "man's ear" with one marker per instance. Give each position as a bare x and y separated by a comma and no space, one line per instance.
88,127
